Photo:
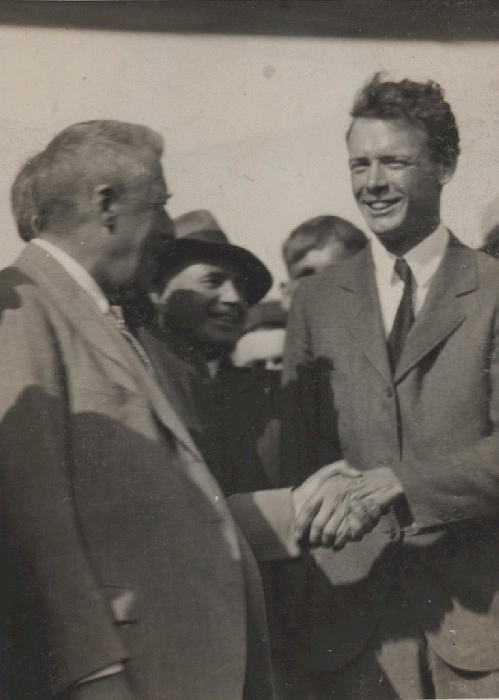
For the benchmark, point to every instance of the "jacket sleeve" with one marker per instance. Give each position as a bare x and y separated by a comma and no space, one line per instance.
266,520
67,624
461,485
309,434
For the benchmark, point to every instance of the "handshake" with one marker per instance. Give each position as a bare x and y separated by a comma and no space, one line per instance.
339,504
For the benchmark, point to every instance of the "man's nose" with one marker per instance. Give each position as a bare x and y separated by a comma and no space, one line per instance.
376,177
229,294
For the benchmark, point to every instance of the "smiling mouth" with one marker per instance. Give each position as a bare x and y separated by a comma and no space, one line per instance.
381,206
228,318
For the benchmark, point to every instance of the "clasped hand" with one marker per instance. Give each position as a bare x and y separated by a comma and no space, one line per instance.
339,504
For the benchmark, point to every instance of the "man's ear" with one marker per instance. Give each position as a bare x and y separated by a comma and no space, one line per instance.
37,224
446,171
105,197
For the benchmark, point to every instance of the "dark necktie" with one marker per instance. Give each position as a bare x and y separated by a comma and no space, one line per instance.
115,314
405,314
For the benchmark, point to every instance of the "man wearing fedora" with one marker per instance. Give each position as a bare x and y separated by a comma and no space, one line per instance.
202,289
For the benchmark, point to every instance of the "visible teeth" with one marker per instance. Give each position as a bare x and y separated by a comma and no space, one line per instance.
378,206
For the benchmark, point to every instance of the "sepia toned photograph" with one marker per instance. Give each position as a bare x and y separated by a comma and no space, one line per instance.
249,320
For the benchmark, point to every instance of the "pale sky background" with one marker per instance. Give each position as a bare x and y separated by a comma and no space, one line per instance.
254,127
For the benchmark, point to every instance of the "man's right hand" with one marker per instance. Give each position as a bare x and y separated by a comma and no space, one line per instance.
114,687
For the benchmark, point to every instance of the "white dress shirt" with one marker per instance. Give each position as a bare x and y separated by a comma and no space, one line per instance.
90,286
423,260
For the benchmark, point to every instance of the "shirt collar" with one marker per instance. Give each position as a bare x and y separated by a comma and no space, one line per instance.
77,272
423,259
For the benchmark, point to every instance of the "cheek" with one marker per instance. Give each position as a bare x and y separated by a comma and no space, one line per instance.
356,182
422,187
192,313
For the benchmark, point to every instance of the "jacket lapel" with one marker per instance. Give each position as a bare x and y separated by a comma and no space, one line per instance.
97,330
362,312
442,312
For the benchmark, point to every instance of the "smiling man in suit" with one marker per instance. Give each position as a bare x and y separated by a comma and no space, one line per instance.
406,336
125,573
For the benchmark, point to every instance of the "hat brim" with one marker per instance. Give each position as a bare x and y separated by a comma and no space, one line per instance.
254,273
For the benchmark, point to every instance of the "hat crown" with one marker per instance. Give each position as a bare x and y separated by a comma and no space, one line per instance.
199,225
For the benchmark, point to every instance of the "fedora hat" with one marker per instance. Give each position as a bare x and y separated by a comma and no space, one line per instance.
198,236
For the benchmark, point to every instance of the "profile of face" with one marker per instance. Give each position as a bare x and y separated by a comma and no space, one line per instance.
395,181
262,348
206,301
139,225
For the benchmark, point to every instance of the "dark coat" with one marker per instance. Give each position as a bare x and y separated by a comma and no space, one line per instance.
446,456
228,415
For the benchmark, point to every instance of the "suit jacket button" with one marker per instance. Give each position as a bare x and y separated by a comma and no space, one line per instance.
389,392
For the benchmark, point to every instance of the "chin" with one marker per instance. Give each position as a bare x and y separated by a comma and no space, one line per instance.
386,227
387,230
223,340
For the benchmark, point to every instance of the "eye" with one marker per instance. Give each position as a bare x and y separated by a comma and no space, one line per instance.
358,166
212,281
305,272
397,163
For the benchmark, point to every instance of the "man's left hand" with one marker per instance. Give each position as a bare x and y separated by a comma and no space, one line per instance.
379,485
343,505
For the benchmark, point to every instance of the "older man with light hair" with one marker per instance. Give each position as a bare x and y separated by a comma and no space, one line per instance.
126,575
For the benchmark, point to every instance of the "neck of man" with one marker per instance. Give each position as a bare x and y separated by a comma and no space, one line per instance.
74,244
403,242
81,247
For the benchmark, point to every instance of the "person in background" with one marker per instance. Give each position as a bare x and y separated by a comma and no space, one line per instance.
405,335
124,574
262,345
202,291
491,245
316,244
489,226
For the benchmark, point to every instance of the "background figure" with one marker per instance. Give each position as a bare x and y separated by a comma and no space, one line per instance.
405,341
202,291
315,244
490,228
262,345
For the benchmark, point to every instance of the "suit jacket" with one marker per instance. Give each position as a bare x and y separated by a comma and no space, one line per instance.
446,389
119,544
227,415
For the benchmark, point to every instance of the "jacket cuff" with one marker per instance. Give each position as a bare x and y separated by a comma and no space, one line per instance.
266,519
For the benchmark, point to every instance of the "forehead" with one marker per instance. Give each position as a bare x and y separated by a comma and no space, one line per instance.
149,181
194,272
320,257
373,137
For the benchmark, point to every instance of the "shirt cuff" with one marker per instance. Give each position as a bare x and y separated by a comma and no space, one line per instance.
108,671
